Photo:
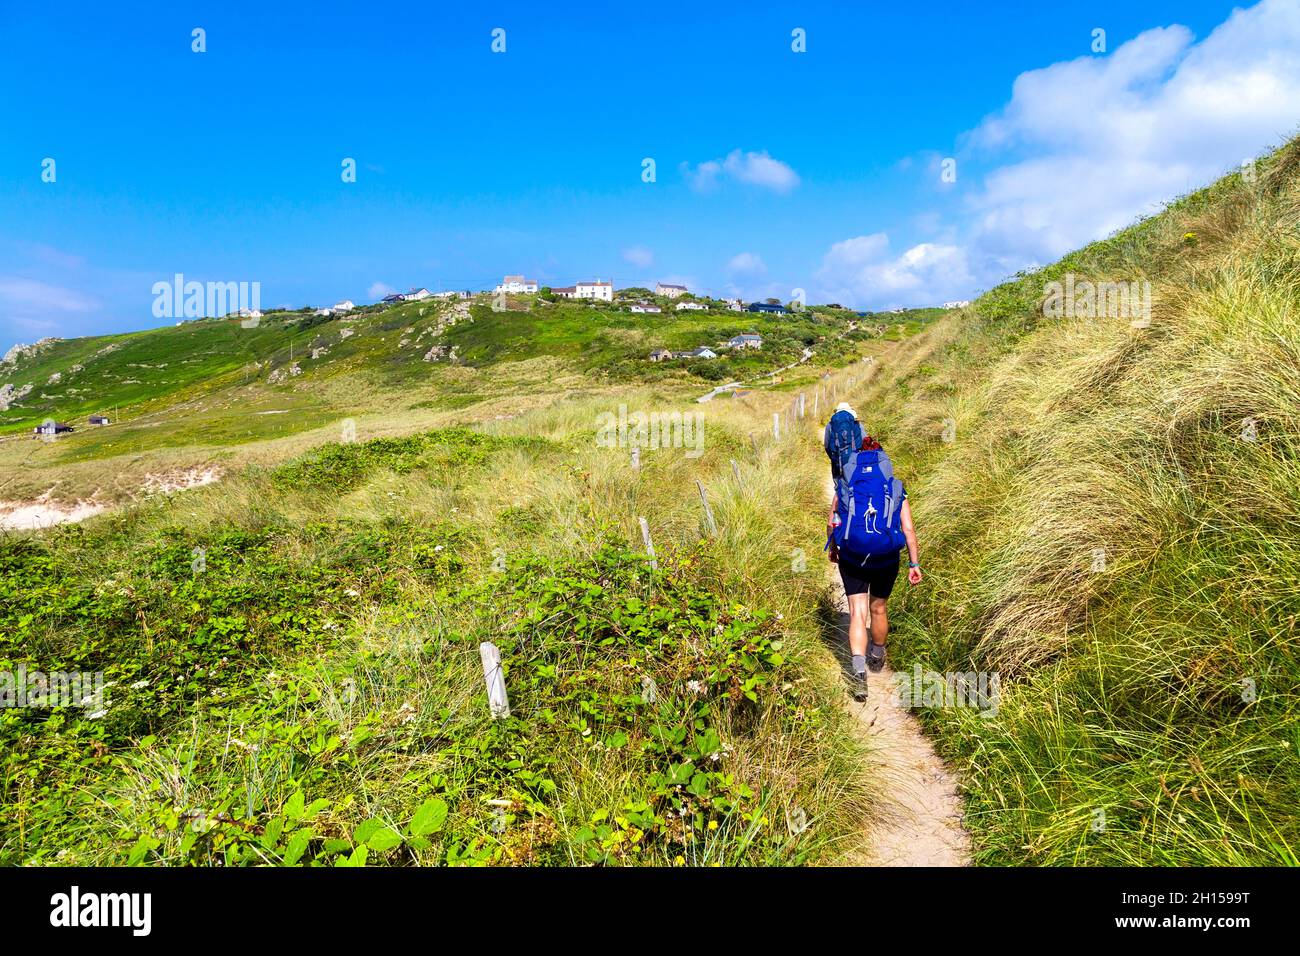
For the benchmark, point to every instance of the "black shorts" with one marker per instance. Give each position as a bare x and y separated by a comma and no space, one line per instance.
878,577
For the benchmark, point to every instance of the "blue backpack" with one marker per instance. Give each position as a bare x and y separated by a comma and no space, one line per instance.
843,440
870,507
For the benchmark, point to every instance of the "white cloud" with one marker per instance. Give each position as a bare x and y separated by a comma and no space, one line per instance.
746,264
49,255
860,271
639,256
1106,139
753,169
26,296
378,290
29,307
1085,147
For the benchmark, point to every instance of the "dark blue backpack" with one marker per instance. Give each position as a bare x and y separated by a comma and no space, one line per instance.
843,440
870,507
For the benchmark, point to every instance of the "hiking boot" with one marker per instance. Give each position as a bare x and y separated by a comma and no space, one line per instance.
860,687
876,657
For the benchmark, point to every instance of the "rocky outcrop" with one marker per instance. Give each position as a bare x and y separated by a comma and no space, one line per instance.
9,395
20,351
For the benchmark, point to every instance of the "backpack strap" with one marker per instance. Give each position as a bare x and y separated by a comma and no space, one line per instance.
886,466
895,500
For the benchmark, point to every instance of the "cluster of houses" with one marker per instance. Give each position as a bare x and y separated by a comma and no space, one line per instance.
746,340
338,308
597,290
594,291
691,306
59,428
419,295
414,295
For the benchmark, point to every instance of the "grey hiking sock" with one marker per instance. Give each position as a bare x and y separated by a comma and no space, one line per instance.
859,663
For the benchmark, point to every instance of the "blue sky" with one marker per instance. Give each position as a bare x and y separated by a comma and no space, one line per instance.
775,170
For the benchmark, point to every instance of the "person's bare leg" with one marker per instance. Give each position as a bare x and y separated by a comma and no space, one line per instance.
879,621
857,624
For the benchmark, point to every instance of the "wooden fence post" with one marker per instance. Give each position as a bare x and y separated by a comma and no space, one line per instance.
708,512
636,458
498,702
776,425
735,470
649,545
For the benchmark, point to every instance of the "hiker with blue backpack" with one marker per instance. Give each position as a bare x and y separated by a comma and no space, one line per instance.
869,525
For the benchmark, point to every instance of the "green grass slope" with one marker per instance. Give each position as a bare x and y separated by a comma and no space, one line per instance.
1110,519
212,392
295,676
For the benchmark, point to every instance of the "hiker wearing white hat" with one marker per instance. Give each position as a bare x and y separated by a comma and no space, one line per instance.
869,525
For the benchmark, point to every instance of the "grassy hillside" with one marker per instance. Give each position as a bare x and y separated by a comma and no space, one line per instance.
1114,525
211,392
293,652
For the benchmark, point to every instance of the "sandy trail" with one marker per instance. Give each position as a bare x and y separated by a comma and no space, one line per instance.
919,823
44,512
41,513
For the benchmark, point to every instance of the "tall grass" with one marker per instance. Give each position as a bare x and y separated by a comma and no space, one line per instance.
1116,530
328,657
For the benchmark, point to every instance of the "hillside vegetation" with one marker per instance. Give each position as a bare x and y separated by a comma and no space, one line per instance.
1114,525
293,653
211,392
1109,516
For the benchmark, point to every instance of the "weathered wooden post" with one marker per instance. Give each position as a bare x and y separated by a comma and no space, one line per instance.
817,398
776,425
735,470
708,512
636,458
498,702
649,545
801,404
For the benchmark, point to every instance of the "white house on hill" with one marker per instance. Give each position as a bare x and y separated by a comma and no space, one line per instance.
691,306
604,291
645,307
516,284
347,305
671,291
